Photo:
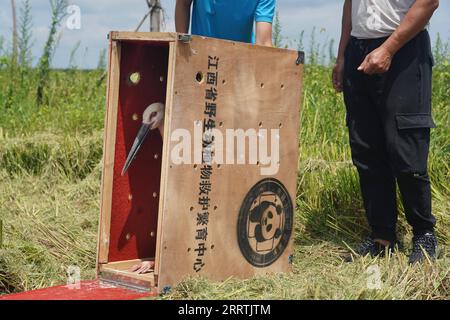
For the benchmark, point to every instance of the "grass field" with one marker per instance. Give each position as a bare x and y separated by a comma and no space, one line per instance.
50,167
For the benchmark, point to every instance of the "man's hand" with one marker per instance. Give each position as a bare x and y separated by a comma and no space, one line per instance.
377,62
338,75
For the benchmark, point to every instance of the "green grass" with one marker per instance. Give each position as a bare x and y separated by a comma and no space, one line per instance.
50,180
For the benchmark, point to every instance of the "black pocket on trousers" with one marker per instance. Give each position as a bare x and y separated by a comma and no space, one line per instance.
414,121
413,142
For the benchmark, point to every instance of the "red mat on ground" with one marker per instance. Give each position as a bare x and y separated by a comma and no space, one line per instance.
89,290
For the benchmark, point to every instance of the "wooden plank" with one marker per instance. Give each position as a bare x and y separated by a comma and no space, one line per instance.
144,36
166,151
127,264
118,273
108,152
258,87
106,273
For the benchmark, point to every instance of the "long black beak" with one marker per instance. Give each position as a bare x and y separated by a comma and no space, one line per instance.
140,138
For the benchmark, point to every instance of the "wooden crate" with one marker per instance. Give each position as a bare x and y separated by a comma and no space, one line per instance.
218,220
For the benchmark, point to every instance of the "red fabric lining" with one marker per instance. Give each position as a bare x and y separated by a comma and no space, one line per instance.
136,219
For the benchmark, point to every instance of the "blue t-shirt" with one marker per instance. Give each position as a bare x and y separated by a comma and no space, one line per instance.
230,19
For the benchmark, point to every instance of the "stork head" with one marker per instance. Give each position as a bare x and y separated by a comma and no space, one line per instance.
152,119
153,115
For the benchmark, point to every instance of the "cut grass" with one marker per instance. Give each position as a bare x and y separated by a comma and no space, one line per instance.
48,226
50,184
320,273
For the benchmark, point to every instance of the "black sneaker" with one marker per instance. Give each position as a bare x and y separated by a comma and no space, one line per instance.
370,247
426,243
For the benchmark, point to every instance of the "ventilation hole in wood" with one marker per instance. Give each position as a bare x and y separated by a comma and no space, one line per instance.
221,124
219,166
189,250
212,247
282,86
216,207
260,124
134,78
262,85
191,209
199,77
224,81
195,166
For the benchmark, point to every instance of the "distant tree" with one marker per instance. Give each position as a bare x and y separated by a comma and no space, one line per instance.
2,41
25,42
58,8
441,51
73,53
300,45
314,48
331,52
25,35
14,34
101,65
277,36
12,61
3,56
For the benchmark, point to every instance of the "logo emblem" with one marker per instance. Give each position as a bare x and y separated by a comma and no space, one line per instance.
265,223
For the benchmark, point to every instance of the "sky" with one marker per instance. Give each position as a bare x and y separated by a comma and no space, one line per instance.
98,17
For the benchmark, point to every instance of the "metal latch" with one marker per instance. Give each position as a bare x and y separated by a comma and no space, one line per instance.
300,58
185,38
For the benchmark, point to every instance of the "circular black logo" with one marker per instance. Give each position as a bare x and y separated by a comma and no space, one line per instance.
265,223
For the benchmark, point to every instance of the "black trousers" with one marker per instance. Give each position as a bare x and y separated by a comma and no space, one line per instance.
389,121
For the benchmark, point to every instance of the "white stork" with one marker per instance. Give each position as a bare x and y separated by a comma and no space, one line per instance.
152,118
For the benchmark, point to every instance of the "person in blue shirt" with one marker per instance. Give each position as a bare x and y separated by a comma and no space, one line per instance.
227,19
